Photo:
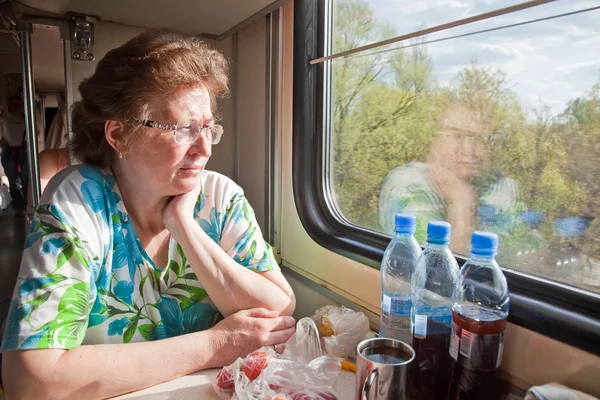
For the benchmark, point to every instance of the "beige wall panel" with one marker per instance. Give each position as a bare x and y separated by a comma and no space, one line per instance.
47,58
250,70
222,157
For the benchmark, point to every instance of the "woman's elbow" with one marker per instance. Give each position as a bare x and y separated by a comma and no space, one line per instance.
18,384
285,301
24,380
27,387
290,306
285,304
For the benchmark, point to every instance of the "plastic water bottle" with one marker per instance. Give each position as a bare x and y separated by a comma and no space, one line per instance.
479,311
397,267
431,293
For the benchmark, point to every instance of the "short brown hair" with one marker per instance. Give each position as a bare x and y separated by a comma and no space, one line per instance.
131,79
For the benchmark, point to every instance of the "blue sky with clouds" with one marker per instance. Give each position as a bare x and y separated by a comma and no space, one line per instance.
553,61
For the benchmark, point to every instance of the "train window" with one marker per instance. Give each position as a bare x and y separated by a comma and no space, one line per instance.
490,130
485,114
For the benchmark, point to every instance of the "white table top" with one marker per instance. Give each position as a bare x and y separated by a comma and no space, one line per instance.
198,386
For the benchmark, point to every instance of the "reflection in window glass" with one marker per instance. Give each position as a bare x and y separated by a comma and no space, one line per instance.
496,131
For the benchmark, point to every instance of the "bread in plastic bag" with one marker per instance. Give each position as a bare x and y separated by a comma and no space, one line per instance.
342,329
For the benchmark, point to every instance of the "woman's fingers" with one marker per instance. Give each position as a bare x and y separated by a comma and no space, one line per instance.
280,323
260,313
272,319
278,337
279,348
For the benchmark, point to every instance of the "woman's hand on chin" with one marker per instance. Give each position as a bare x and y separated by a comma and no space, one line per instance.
181,208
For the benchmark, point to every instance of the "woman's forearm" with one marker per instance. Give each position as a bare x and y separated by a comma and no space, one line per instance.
244,288
461,217
107,370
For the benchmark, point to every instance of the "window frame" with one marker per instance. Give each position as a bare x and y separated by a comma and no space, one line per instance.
564,313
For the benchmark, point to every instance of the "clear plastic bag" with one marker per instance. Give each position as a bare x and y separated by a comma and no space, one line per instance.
341,329
224,383
287,379
305,344
301,372
242,372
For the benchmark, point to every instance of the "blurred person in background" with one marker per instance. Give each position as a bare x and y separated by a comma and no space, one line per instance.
14,155
454,184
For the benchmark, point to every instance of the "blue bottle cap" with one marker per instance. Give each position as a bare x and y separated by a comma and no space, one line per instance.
438,232
405,223
484,244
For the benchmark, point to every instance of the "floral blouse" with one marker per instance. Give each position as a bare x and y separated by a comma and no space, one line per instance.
86,279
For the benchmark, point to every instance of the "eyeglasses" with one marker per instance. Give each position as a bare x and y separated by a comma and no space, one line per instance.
186,132
461,135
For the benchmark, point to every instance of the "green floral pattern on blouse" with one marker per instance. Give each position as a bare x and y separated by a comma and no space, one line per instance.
85,278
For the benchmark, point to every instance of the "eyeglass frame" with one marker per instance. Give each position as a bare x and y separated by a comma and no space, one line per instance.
174,127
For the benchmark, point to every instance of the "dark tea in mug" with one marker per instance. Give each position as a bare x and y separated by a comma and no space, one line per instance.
386,355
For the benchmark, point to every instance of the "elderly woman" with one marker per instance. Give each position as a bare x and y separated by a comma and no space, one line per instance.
133,256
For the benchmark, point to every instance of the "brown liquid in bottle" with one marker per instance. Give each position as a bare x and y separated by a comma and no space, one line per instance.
476,356
430,371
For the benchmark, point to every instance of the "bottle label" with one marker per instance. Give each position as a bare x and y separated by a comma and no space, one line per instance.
396,312
396,304
466,342
386,304
420,328
500,351
476,352
454,343
443,314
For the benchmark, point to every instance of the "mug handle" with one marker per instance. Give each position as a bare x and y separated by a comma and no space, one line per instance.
366,389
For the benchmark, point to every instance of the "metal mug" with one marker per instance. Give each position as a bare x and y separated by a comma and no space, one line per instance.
382,376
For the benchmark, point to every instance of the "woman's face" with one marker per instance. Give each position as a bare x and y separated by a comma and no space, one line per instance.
166,167
460,145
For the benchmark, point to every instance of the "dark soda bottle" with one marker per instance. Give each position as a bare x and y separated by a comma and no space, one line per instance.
479,311
432,285
430,373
